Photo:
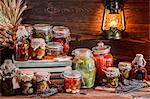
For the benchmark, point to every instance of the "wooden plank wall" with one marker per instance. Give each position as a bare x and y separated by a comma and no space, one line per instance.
85,16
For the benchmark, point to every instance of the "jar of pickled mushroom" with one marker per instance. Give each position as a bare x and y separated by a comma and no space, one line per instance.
125,68
37,48
27,85
103,59
84,62
42,82
42,31
72,81
112,74
62,34
54,49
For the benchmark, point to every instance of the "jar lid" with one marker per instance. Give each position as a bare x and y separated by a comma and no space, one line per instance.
82,52
42,26
7,61
28,27
112,72
37,42
72,74
42,76
101,48
26,75
124,65
56,45
61,31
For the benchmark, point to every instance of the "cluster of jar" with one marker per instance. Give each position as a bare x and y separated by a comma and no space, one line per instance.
96,66
40,40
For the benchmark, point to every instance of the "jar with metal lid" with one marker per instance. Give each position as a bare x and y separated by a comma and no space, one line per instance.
103,59
37,48
27,85
42,81
84,62
62,34
54,49
72,81
125,68
43,31
112,74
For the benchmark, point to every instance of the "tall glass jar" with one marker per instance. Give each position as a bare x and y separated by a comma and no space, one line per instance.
62,34
103,59
84,62
42,31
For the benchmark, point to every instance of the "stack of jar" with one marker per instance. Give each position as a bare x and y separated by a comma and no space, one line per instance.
41,41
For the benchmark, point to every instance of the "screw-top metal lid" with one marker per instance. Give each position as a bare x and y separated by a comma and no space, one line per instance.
101,48
72,74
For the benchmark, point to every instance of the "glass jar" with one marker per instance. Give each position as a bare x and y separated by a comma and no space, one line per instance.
72,81
125,68
27,86
29,29
37,48
84,62
112,74
62,34
54,49
103,59
43,31
42,82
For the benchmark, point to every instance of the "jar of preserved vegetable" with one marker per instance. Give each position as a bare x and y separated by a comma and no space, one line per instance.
42,82
72,81
27,86
103,59
54,49
37,48
125,68
112,74
84,62
22,45
42,31
62,34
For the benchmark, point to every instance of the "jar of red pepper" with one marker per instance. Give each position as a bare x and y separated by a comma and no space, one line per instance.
62,34
72,81
103,59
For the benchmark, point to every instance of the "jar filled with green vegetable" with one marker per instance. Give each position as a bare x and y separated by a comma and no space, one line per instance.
42,31
84,62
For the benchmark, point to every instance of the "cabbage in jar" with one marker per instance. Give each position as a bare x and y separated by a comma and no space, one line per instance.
83,62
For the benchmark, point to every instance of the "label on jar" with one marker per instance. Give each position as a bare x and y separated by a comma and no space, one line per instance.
37,42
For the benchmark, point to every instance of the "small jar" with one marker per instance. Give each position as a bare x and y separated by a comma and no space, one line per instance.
112,74
103,59
42,81
72,81
54,49
84,62
43,31
27,86
62,34
37,48
125,68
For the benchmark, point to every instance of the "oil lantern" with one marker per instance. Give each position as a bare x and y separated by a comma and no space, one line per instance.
113,23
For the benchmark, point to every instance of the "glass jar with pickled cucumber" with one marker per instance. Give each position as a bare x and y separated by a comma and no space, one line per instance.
84,62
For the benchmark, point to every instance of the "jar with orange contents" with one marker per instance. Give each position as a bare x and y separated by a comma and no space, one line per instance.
103,59
62,34
72,81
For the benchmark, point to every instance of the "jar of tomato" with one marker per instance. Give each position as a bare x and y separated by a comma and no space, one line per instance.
62,34
103,59
72,81
84,62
